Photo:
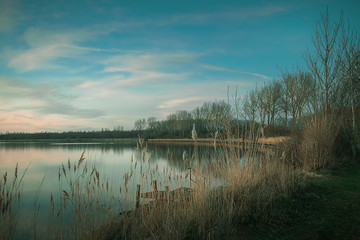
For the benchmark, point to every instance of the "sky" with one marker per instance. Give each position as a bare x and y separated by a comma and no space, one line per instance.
88,65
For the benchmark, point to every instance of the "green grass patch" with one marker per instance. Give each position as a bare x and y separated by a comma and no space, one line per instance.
327,208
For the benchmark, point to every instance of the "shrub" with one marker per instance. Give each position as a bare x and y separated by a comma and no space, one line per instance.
317,145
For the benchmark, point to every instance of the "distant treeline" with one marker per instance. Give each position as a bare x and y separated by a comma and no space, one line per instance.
159,129
212,119
71,135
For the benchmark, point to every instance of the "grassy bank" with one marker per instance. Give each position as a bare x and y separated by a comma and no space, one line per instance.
318,205
327,208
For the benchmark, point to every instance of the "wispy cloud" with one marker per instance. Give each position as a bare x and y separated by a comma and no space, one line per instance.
43,57
164,62
218,68
111,50
147,61
176,103
38,58
13,89
21,96
45,46
61,108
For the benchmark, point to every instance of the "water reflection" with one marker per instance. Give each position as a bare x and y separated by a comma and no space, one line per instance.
103,147
115,162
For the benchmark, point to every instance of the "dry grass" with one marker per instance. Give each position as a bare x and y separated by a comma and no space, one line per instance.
83,203
10,196
232,190
314,147
243,189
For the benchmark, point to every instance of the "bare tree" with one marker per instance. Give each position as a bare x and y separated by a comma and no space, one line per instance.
217,115
284,102
262,95
298,90
324,63
274,98
250,107
119,128
350,67
140,124
351,73
151,122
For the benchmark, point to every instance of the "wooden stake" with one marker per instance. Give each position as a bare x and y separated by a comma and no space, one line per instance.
137,196
190,177
155,186
167,190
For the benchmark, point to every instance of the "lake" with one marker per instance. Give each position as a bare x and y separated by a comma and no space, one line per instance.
115,162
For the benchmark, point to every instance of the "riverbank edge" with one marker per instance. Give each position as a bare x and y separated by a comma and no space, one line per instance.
326,208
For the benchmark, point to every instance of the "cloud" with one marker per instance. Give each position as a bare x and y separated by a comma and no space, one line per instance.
146,62
38,58
32,121
164,62
175,103
37,37
224,69
14,89
21,96
61,108
113,85
46,46
111,50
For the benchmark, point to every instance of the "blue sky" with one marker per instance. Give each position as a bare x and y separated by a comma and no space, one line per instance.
83,65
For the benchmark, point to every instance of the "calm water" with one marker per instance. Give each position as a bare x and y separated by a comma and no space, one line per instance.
113,161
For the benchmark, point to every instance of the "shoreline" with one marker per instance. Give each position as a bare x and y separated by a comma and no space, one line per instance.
272,141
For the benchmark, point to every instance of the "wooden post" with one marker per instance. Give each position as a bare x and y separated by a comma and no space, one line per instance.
209,179
167,192
190,177
137,196
155,186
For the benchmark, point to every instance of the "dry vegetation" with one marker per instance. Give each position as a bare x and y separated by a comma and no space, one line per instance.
235,189
10,196
242,191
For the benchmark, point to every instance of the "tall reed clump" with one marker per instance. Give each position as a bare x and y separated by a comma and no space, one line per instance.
83,203
10,196
235,188
252,183
314,147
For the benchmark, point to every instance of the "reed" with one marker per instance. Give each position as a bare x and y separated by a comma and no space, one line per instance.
10,197
238,185
83,203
